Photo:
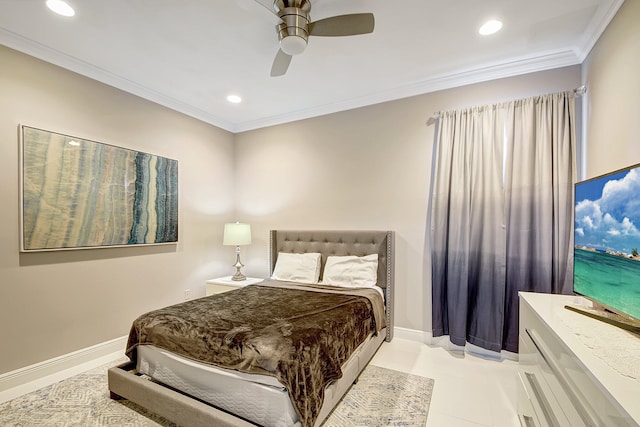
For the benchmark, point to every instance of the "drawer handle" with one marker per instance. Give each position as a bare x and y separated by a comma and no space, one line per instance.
583,411
542,399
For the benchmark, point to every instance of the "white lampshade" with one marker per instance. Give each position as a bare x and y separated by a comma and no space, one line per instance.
236,234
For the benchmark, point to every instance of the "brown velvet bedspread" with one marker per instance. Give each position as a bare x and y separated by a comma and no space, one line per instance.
299,334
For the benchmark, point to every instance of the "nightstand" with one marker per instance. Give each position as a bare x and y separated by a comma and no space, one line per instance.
224,284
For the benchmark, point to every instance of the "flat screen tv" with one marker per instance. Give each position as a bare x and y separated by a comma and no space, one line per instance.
607,246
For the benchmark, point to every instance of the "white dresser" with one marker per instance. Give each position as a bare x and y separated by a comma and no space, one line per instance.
565,379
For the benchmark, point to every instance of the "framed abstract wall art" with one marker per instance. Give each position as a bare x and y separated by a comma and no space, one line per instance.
77,194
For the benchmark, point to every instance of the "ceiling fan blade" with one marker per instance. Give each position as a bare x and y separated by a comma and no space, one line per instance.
343,25
280,64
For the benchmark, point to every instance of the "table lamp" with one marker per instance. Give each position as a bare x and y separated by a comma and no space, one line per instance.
237,234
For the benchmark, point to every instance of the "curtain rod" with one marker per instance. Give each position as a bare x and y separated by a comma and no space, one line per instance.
579,91
431,120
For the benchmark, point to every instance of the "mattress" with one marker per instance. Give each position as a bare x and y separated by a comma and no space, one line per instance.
261,399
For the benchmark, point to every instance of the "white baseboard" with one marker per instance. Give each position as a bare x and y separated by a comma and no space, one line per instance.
412,335
444,342
33,377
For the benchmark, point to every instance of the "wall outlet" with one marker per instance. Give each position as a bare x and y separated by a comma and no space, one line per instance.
187,294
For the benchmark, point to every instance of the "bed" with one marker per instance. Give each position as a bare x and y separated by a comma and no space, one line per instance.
193,379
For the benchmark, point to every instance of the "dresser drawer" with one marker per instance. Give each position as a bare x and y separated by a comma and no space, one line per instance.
561,391
556,404
526,414
546,408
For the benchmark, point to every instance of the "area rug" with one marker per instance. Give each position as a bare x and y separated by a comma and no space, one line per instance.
381,397
384,397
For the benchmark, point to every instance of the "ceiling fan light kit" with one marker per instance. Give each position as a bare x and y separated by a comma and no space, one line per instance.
296,27
293,31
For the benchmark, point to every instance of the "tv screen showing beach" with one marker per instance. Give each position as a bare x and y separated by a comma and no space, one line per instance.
607,240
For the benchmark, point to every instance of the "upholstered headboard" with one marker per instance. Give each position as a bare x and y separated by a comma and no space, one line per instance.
358,243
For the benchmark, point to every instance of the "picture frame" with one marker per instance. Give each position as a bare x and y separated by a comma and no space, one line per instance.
77,193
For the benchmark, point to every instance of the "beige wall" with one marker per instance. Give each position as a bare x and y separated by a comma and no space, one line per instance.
367,168
364,168
611,74
55,303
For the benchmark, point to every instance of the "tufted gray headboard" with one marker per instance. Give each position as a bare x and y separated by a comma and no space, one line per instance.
352,242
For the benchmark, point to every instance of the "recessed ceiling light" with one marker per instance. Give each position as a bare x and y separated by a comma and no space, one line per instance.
490,27
61,7
234,99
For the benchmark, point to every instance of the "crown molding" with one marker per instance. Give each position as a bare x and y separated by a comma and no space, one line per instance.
486,72
55,57
490,71
598,24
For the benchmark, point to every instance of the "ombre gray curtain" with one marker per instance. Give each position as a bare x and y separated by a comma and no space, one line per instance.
501,215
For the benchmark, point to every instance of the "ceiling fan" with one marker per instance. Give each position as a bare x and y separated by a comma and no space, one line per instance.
294,26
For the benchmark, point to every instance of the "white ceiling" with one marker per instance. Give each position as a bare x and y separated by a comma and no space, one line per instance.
189,55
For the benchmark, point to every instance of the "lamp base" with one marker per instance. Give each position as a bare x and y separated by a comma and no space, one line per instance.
238,276
238,265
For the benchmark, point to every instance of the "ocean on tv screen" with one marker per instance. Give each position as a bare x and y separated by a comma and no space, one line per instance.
609,279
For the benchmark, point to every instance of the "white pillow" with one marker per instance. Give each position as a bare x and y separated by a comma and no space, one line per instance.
303,268
351,271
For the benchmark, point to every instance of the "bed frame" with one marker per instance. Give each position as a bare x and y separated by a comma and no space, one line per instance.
186,411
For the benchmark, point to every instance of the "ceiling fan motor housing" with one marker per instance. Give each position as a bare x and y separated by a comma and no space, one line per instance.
293,32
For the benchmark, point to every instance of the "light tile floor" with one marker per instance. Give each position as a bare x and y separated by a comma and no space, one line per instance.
469,390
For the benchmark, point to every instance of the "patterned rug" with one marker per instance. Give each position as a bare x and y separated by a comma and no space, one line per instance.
384,397
381,397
